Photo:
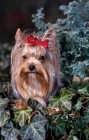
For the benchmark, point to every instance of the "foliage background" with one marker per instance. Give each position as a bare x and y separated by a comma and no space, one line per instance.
17,14
67,116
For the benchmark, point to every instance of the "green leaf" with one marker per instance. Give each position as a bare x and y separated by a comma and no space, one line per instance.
35,130
86,130
64,100
78,126
85,118
84,90
22,116
74,138
3,103
7,87
4,117
78,105
9,132
59,129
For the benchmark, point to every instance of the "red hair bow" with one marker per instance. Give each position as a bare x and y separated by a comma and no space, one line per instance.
35,41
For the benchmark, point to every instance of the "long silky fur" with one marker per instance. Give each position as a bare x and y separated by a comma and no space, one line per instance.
51,66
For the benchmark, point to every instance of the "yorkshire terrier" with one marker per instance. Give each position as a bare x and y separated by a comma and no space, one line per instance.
35,69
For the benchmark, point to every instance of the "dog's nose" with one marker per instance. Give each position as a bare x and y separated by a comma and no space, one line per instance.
31,67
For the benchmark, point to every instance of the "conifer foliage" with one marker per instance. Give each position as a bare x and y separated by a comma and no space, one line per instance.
73,35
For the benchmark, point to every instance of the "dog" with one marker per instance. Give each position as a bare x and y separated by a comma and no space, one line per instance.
35,68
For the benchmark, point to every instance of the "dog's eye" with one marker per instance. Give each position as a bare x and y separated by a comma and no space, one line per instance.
41,58
24,57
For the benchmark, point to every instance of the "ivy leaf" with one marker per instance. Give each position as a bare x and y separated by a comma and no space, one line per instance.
7,87
35,130
74,138
40,108
78,105
4,117
86,130
84,90
85,118
78,125
59,129
3,103
9,132
22,116
64,100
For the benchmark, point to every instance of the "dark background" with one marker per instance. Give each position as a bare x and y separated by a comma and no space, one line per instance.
17,14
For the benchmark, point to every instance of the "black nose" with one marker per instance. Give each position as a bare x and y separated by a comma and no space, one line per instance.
31,67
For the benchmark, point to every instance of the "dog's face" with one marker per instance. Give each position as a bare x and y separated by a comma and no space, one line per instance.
34,68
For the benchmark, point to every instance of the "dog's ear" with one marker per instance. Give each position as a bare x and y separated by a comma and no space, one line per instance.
18,39
18,35
50,35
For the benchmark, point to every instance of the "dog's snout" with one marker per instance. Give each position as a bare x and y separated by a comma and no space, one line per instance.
31,67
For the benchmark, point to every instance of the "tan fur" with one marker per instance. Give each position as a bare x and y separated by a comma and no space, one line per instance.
39,84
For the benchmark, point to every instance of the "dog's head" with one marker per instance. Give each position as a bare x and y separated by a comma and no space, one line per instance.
34,65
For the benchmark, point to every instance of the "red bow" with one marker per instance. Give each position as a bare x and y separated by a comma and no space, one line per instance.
35,41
